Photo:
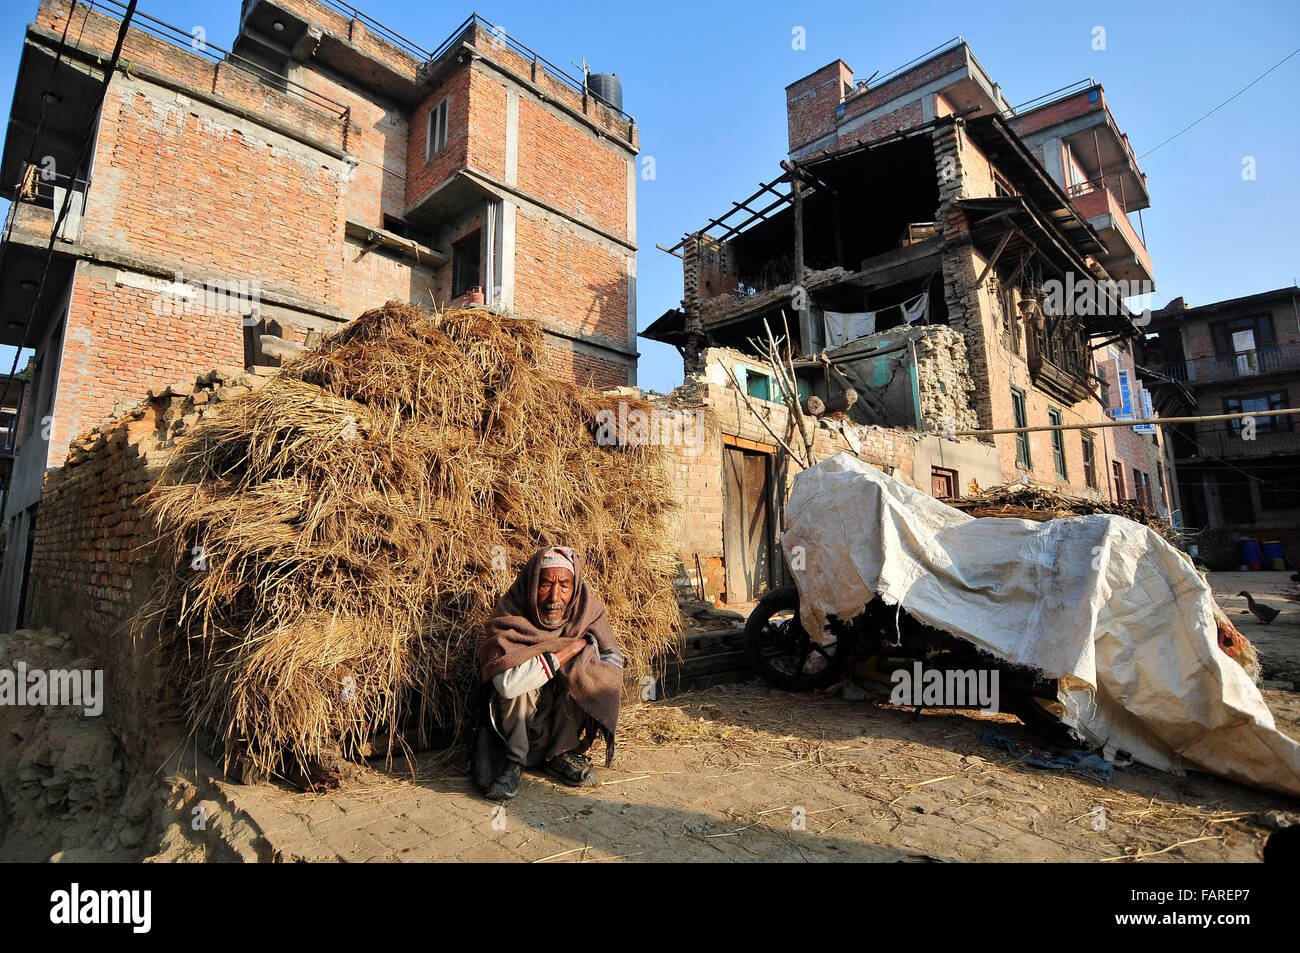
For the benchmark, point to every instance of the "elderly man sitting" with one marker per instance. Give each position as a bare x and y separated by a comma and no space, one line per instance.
556,675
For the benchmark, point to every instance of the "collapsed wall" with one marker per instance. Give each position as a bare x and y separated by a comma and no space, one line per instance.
723,424
76,784
912,376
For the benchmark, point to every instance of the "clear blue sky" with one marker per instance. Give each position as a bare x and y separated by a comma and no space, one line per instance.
706,84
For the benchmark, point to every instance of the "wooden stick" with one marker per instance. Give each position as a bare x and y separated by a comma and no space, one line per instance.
562,853
1181,843
762,420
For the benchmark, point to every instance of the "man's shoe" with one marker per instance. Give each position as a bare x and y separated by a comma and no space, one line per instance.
507,785
572,769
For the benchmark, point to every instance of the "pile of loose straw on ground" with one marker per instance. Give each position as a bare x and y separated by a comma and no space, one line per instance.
1018,501
359,516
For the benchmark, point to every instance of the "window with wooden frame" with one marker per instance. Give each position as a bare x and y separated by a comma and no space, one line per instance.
1010,325
1021,420
435,140
1242,335
1058,444
1117,469
1264,423
943,483
1089,459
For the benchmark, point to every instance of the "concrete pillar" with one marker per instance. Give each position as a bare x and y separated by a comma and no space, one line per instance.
506,255
631,265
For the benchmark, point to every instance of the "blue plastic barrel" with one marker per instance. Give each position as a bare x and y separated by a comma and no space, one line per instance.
1274,556
1248,549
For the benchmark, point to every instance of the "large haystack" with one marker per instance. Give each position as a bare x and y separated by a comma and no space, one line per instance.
360,514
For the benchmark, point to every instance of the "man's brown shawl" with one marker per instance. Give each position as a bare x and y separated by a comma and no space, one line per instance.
516,634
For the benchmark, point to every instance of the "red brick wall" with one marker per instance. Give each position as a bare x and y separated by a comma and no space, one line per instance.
93,30
377,136
566,363
815,116
116,347
487,124
904,117
552,86
373,277
571,168
909,81
92,562
423,176
1059,111
569,279
169,184
811,103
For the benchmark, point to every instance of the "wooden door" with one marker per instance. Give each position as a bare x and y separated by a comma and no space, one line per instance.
746,524
943,483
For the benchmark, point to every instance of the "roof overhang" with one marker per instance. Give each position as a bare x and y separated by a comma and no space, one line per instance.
276,32
668,328
1005,149
1015,225
53,95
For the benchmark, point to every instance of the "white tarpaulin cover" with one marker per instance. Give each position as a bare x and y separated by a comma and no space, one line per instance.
1101,603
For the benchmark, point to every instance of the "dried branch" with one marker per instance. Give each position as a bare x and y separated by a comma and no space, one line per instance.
763,420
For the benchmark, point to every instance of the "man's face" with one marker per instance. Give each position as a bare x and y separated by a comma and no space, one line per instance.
554,590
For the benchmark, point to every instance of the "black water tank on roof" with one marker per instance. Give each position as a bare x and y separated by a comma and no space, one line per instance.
607,87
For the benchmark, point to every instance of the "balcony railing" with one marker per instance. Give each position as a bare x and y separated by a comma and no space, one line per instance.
1207,442
1059,358
482,33
1094,198
1241,364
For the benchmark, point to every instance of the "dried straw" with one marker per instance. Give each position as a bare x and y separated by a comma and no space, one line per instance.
360,515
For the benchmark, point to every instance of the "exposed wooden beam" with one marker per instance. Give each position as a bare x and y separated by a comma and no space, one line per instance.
994,260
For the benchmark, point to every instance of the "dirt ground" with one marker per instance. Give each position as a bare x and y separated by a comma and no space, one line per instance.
748,773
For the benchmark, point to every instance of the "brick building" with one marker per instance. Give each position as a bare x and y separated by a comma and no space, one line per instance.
1235,479
321,167
956,273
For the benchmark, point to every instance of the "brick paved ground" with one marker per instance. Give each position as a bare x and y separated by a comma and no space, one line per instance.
747,773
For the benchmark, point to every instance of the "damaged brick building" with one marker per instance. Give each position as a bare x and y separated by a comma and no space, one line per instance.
958,263
221,200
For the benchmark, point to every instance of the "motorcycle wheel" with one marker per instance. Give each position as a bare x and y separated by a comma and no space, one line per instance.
782,653
1040,720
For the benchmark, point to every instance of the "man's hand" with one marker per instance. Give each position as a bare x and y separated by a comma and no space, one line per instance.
570,651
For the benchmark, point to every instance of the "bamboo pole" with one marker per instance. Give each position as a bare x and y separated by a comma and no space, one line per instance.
1158,421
